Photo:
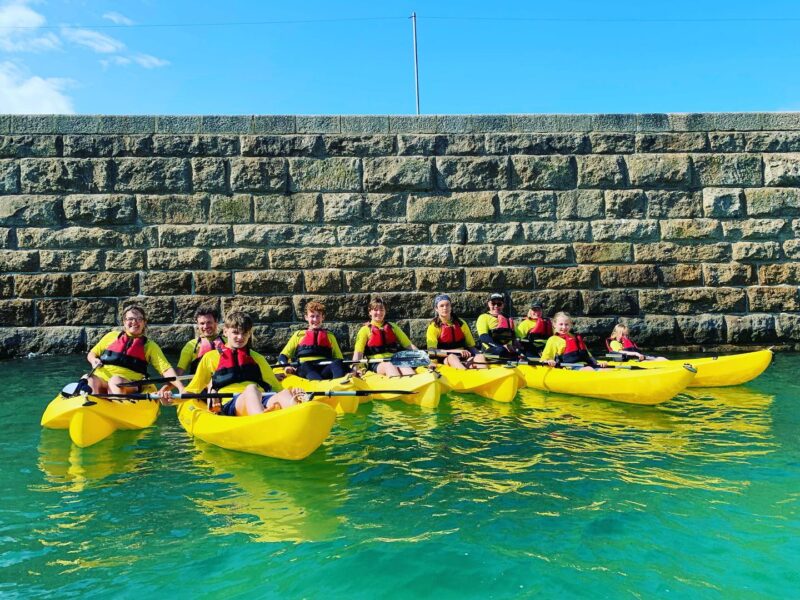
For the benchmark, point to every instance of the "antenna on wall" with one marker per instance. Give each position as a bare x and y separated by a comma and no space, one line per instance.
416,63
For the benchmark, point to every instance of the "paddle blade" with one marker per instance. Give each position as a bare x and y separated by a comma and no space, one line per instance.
75,388
410,358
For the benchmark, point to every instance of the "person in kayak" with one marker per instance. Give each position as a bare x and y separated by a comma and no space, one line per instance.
567,349
450,333
123,356
379,339
496,330
206,320
534,331
312,346
619,342
237,369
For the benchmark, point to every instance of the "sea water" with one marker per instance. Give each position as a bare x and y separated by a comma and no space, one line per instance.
549,496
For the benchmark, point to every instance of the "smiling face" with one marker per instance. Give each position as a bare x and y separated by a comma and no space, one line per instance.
444,309
207,326
314,318
134,323
562,325
236,338
535,313
377,313
495,307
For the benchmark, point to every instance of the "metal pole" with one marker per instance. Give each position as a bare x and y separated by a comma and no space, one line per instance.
416,63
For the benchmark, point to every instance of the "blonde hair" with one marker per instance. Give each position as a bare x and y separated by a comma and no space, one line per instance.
619,331
562,315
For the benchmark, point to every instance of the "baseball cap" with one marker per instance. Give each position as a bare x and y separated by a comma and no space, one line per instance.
537,304
497,296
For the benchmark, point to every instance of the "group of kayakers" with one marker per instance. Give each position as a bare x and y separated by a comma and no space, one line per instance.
224,362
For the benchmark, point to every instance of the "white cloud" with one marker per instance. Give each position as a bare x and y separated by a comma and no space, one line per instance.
19,26
115,60
31,95
117,18
149,62
99,42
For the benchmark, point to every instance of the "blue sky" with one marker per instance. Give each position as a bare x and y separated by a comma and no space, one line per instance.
316,57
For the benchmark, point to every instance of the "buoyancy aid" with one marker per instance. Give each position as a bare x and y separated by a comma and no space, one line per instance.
504,332
315,342
450,336
202,346
127,352
627,344
237,366
575,349
381,340
541,331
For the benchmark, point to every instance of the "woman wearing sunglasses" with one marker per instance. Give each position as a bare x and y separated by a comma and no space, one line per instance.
496,330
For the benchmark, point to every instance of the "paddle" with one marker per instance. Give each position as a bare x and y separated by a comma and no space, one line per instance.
206,395
622,357
82,385
404,358
527,361
143,382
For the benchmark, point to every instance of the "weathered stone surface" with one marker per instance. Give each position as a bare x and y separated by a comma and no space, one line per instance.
213,282
786,273
237,208
239,258
788,326
728,169
171,337
487,173
701,329
537,143
750,329
616,302
601,171
359,145
398,174
538,254
476,206
209,175
729,274
166,283
185,306
9,177
21,341
723,202
480,233
448,233
652,331
672,142
667,204
285,145
602,252
18,261
420,256
16,313
782,170
259,175
283,235
669,252
111,209
543,172
195,145
30,211
612,143
58,176
95,146
342,208
681,275
7,237
745,251
754,229
425,145
152,175
385,207
325,175
693,300
628,276
27,146
71,260
82,237
487,278
659,170
388,280
625,204
688,229
124,260
436,280
565,277
202,236
295,208
356,235
6,286
352,307
398,234
173,209
76,312
315,258
319,281
37,286
403,305
560,231
158,309
177,258
580,204
268,282
624,229
553,301
772,299
105,284
474,256
777,202
527,205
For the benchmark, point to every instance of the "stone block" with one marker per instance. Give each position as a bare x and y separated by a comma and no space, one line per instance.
7,237
728,169
282,124
728,141
202,236
16,313
681,275
158,309
106,284
601,171
791,248
484,173
107,146
152,175
195,145
209,175
356,235
782,274
325,175
71,260
420,256
170,259
105,209
448,233
398,174
487,278
282,145
262,309
659,170
439,280
628,276
60,175
21,341
479,233
315,258
624,229
38,286
652,330
782,170
318,124
672,142
268,282
124,260
673,204
611,143
412,124
476,206
295,208
723,202
669,252
18,261
28,146
543,172
565,277
186,306
693,300
553,301
6,287
171,209
213,282
239,258
171,338
237,208
537,254
773,202
625,204
32,124
772,299
753,229
340,308
788,326
701,329
400,234
520,205
259,175
474,256
690,229
602,252
750,329
359,145
729,274
166,283
76,312
580,204
365,124
385,207
552,123
9,177
283,235
323,281
559,231
30,211
615,302
382,280
425,145
407,305
342,208
460,145
747,251
537,143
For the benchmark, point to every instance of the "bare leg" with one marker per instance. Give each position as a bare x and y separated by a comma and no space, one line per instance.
249,401
98,385
283,399
479,362
388,369
113,385
454,360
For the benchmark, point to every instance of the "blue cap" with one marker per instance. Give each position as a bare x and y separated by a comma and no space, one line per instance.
439,298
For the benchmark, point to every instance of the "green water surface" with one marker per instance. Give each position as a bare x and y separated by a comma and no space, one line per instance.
551,496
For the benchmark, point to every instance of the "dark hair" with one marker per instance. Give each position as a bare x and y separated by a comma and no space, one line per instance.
206,310
239,320
437,320
378,301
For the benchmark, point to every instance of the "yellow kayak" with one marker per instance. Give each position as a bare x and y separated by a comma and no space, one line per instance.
90,419
427,388
291,433
496,383
342,404
719,371
646,386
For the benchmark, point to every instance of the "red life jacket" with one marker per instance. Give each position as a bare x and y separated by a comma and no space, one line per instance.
203,346
575,350
382,340
237,366
315,342
451,336
541,331
627,344
127,352
504,332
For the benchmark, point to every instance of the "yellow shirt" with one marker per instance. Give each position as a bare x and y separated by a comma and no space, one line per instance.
290,348
189,352
616,346
210,362
363,336
486,323
555,347
153,354
433,332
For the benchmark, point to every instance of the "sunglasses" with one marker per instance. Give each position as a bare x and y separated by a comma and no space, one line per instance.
496,302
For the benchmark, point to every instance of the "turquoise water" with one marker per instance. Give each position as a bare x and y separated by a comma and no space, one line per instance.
551,496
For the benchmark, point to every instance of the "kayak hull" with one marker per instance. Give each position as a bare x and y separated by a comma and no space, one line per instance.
498,383
646,387
720,371
291,433
89,424
427,388
341,404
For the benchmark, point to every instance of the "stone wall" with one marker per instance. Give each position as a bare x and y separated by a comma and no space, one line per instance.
685,226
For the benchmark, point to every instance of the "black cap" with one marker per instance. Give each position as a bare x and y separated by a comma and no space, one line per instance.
497,296
537,304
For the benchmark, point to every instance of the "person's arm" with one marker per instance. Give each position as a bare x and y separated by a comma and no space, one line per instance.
94,354
202,376
266,373
186,357
155,356
552,349
469,341
336,352
432,337
402,338
361,343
